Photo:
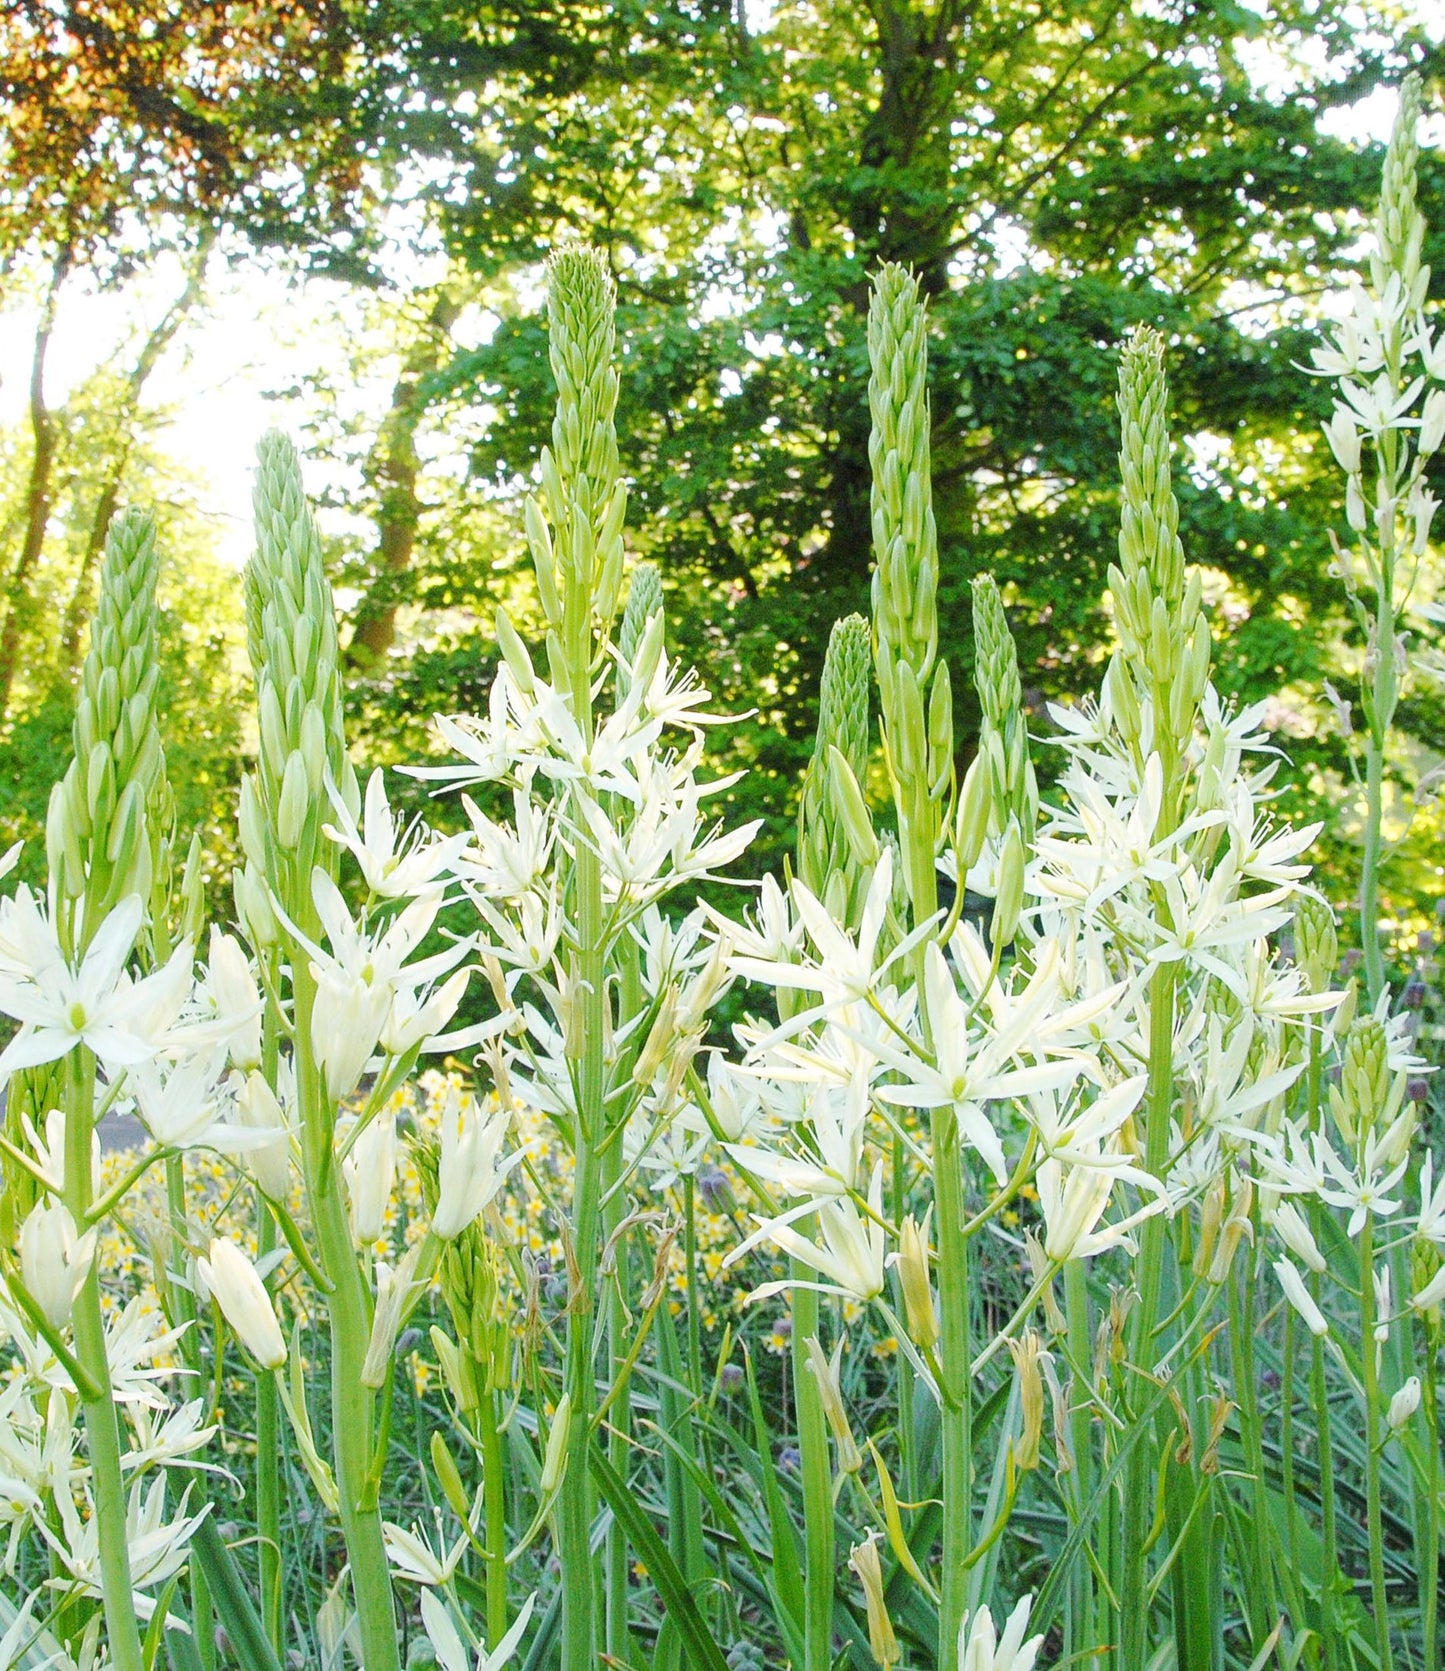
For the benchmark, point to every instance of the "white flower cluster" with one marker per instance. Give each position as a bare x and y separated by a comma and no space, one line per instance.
45,1484
635,806
1061,1035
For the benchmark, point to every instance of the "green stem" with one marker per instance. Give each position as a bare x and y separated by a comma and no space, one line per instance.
1261,1594
957,1384
620,1412
574,1515
1378,1598
348,1307
1430,1566
1134,1595
1374,957
816,1470
101,1429
1083,1626
268,1465
907,1444
494,1497
1319,1397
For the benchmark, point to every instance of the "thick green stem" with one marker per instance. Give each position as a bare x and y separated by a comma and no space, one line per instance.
574,1515
494,1497
1083,1627
1370,870
1261,1594
349,1314
957,1354
814,1463
1138,1506
620,1413
102,1432
1369,1375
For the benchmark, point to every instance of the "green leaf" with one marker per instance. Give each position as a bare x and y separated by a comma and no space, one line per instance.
671,1585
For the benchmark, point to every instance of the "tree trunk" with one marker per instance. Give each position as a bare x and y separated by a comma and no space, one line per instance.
77,611
392,470
37,492
903,211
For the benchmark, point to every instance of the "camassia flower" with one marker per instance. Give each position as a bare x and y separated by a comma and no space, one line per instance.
851,1255
55,1260
365,976
60,1005
979,1646
969,1070
231,1277
446,1640
1074,1194
395,863
471,1169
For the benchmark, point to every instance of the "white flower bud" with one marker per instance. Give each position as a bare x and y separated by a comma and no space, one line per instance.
270,1164
1344,439
1404,1404
1432,423
1355,505
393,1291
1292,1230
470,1171
54,1260
1300,1298
1420,507
370,1170
237,999
253,908
231,1277
1432,1293
346,1022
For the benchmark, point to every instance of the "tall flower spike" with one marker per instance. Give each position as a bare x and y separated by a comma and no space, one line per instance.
577,544
291,632
644,600
1157,606
914,695
97,840
835,836
1003,736
1399,226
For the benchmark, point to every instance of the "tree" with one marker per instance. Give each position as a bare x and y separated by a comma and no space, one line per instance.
128,126
1055,175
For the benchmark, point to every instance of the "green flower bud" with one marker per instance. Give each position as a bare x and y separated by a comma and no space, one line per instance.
1155,608
1008,901
1364,1094
96,837
291,634
940,734
836,843
850,809
583,496
1316,943
905,538
1399,225
970,829
294,804
644,600
515,654
449,1478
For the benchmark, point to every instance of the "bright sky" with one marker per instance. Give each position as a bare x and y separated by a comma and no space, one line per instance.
222,377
